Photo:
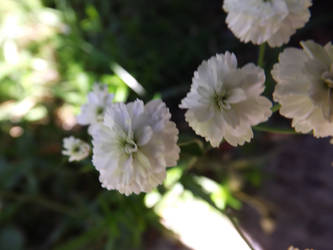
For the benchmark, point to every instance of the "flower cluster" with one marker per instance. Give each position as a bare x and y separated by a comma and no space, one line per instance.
134,143
272,21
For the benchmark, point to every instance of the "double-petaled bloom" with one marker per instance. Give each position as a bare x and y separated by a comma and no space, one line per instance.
92,112
272,21
133,146
75,148
225,101
305,87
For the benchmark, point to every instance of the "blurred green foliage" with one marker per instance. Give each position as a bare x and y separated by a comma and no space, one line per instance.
50,58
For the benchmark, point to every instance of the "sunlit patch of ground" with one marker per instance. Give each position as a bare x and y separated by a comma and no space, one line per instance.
198,225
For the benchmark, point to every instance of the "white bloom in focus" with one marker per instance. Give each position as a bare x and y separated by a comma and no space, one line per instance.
75,148
134,145
304,87
93,111
225,101
272,21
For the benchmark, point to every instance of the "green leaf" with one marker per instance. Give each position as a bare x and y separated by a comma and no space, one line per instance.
173,175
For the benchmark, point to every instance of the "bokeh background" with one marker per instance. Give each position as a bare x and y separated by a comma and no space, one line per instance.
278,187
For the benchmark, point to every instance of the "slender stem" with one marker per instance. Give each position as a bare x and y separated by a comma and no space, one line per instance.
329,106
261,55
52,205
284,131
257,204
234,223
275,107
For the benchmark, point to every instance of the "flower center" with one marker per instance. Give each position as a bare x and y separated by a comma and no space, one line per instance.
100,110
76,149
327,103
130,146
221,101
100,113
226,98
327,77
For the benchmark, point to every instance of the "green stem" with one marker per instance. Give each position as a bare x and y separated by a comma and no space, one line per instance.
284,131
52,205
261,55
275,107
234,223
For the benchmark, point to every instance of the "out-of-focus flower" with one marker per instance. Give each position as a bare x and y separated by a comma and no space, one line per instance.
65,117
292,248
93,111
134,145
75,148
225,101
295,248
272,21
304,87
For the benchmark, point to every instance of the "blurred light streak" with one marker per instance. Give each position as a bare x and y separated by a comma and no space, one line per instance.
128,79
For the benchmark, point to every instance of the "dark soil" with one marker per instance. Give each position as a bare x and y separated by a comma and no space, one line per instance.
298,193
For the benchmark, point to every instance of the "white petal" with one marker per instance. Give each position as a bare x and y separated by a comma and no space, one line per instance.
236,95
301,91
144,135
259,21
316,51
212,130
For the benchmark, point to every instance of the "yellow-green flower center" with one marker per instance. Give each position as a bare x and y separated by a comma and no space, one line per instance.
76,149
221,101
130,146
100,113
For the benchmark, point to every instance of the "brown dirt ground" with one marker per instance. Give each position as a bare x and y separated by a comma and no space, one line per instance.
299,194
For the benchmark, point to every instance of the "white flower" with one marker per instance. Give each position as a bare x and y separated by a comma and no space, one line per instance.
93,111
272,21
224,101
304,87
134,145
75,148
293,248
